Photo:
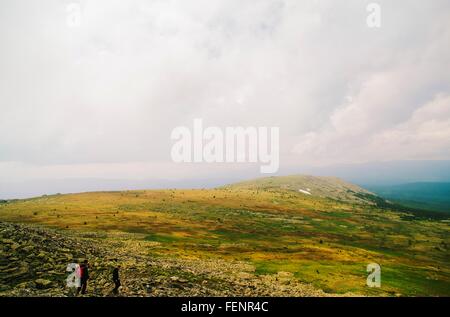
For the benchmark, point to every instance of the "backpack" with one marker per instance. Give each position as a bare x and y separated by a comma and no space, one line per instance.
82,271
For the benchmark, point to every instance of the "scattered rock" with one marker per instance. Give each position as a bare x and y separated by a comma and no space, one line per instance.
37,267
42,283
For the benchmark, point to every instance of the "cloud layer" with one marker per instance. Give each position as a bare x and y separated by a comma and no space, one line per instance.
108,94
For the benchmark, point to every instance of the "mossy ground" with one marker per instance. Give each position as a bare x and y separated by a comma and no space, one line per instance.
320,241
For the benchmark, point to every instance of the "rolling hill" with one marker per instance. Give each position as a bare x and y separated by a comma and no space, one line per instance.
276,236
316,186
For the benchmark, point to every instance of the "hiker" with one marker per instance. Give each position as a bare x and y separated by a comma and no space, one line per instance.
84,276
116,279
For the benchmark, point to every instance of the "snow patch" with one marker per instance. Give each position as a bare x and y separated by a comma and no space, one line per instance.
305,191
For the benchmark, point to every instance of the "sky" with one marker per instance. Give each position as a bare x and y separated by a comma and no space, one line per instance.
99,99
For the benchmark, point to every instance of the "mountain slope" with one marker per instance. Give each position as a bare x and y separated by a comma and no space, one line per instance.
316,186
272,235
338,190
38,268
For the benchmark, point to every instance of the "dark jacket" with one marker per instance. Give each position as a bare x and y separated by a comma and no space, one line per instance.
115,274
84,272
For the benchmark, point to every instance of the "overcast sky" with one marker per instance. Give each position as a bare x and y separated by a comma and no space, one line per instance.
100,100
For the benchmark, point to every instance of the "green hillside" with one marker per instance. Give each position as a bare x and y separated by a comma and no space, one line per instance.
263,237
323,187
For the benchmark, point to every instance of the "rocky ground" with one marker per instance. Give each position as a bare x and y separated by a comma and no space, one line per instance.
33,262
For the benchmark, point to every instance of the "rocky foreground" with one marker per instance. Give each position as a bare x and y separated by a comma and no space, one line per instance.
33,262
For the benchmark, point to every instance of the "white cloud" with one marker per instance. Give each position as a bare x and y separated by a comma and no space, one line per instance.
110,92
424,135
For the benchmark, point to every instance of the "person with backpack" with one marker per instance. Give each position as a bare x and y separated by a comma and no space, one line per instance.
116,279
84,277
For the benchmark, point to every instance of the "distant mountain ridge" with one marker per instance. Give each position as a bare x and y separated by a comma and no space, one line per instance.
425,195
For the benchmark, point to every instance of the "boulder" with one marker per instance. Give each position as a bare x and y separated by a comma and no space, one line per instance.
42,283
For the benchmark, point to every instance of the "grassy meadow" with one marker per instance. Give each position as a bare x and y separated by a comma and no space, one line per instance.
317,240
